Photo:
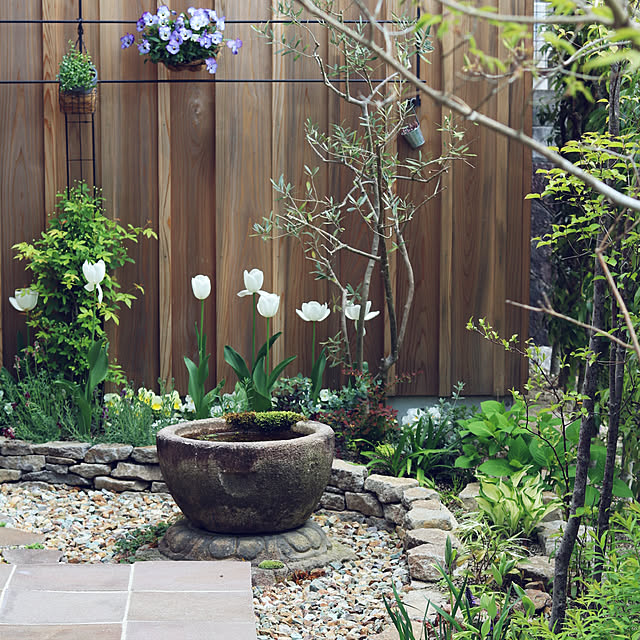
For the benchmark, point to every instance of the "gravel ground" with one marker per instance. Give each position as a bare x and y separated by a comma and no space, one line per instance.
342,601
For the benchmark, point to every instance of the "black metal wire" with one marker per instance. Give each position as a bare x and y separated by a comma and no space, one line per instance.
76,20
215,80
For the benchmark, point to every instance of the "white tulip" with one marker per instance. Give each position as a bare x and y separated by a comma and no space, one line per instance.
201,286
352,311
25,299
94,274
253,283
313,311
268,304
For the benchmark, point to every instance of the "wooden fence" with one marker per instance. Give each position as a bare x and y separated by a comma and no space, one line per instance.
195,160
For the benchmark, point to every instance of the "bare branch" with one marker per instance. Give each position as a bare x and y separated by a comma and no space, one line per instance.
552,312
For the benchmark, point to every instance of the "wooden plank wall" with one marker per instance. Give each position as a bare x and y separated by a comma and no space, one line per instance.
195,161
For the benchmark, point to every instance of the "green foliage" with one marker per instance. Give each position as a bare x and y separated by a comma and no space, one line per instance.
607,609
135,418
514,504
467,616
63,318
76,72
268,421
84,396
424,449
258,383
486,553
31,406
125,548
198,374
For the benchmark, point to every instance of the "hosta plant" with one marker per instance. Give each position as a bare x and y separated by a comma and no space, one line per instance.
514,504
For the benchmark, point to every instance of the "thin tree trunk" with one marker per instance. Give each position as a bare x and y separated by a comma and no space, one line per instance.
597,345
616,365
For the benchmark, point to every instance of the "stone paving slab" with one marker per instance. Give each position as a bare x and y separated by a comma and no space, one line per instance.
32,556
186,600
13,537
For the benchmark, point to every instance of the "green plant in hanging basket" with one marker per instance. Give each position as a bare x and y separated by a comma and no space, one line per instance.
77,73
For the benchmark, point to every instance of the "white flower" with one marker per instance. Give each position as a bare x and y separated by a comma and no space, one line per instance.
313,311
352,311
188,405
111,398
8,408
201,286
163,12
325,395
412,416
435,414
253,282
94,274
268,304
24,300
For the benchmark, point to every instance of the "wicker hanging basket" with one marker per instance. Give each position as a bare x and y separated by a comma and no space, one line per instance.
78,102
194,65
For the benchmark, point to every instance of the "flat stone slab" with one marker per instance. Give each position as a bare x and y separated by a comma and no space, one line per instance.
159,600
32,556
304,548
16,537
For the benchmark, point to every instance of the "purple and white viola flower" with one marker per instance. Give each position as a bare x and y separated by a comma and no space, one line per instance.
127,40
234,45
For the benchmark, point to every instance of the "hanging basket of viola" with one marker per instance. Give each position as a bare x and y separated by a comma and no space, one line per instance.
182,42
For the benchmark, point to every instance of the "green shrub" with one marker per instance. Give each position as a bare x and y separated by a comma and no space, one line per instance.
31,407
63,318
423,449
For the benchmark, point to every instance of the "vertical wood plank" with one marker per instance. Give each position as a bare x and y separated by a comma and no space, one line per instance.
420,354
244,125
193,226
164,227
21,177
129,177
445,365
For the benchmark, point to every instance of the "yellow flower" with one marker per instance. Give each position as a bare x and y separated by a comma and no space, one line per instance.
155,401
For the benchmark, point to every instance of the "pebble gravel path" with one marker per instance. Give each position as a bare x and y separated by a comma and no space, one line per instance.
342,601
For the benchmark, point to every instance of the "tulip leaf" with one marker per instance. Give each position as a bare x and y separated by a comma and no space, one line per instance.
237,363
262,352
316,374
98,366
260,381
194,388
277,370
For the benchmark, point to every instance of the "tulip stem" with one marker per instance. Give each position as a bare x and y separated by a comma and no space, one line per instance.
313,345
268,348
28,336
95,302
253,344
200,341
